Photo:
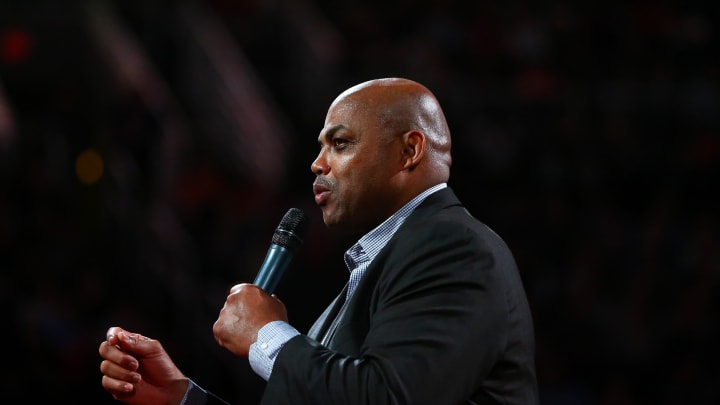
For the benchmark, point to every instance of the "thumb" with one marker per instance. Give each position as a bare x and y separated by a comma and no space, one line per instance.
136,343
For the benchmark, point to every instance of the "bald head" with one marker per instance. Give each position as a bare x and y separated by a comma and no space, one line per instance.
383,143
397,106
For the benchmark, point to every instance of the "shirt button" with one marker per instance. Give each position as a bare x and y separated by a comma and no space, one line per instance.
263,346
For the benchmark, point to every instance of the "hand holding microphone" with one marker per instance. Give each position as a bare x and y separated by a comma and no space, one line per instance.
247,308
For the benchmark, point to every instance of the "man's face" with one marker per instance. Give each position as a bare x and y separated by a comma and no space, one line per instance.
355,170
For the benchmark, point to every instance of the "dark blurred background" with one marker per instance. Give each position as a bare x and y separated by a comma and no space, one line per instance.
148,149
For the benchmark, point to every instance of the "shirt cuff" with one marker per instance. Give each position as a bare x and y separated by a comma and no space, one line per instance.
271,338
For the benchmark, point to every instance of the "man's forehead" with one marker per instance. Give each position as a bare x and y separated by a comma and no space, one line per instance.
345,112
347,104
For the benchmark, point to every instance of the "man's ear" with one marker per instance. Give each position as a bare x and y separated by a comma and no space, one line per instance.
413,149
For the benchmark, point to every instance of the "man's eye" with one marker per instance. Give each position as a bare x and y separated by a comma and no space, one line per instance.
339,143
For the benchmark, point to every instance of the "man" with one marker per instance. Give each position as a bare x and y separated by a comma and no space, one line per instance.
434,312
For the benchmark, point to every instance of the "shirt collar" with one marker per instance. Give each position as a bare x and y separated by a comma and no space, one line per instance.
368,246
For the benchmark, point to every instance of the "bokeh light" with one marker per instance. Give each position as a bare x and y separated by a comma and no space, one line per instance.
89,166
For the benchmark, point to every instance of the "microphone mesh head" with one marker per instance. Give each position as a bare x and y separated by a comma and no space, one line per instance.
292,229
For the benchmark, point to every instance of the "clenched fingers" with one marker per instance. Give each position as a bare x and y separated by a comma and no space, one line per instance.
113,354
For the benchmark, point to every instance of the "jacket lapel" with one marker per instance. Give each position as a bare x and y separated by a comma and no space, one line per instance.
320,327
361,296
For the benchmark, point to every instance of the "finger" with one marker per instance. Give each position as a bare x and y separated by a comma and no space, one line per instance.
236,288
119,373
116,387
111,334
113,354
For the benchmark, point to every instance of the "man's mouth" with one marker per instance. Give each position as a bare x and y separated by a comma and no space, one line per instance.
321,192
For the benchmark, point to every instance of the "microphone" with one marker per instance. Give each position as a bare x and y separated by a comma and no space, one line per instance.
286,240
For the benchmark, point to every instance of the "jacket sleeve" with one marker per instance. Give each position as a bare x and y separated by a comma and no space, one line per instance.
197,395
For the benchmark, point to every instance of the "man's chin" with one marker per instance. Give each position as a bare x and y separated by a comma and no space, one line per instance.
332,221
343,228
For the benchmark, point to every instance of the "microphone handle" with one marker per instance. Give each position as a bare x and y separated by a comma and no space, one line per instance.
276,261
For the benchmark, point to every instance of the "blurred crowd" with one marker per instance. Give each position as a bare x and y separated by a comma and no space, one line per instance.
148,150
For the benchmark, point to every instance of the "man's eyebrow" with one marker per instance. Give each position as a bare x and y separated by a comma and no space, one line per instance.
331,132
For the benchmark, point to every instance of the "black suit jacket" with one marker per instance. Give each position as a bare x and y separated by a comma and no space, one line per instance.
440,317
